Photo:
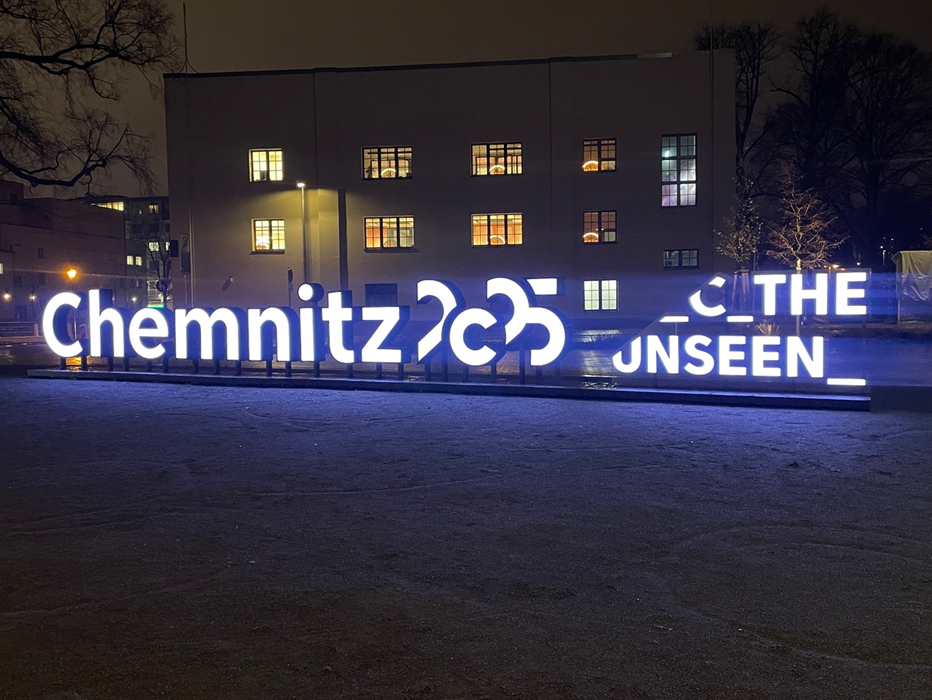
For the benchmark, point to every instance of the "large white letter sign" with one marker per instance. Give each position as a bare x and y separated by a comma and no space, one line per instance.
819,294
231,342
261,337
55,324
312,332
450,299
700,307
465,354
101,311
844,294
634,362
392,319
525,315
148,324
769,283
339,311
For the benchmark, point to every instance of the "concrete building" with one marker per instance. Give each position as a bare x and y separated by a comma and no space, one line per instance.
150,253
41,239
611,173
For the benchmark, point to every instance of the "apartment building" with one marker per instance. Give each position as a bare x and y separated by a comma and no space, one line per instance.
611,173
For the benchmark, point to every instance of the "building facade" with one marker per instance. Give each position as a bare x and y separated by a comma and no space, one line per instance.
611,173
42,239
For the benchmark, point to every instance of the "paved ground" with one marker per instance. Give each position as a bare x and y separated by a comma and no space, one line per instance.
208,543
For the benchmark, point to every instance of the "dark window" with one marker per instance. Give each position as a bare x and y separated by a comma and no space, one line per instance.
385,162
598,155
389,232
599,227
381,295
18,281
41,252
678,171
496,159
681,258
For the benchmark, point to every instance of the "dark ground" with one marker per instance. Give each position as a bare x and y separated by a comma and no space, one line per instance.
208,543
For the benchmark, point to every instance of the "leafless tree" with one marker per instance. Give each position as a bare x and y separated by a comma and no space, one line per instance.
755,46
803,236
62,67
857,123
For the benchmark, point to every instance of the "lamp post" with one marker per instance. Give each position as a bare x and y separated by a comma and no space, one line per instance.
72,274
305,247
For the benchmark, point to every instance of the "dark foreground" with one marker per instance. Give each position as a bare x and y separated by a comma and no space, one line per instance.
208,543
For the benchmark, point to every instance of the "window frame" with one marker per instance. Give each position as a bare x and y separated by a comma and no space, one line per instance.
602,295
507,223
271,250
280,169
512,155
394,162
679,258
601,230
674,191
382,220
600,160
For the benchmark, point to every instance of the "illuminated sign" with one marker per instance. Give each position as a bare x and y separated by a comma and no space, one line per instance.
311,333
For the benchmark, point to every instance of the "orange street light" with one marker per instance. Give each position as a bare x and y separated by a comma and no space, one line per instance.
71,273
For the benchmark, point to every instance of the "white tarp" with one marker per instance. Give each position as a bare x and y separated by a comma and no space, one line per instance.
914,274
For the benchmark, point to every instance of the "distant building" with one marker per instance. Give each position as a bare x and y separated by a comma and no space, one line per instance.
150,255
609,172
41,239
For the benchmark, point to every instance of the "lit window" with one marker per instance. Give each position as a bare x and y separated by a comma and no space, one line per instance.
681,258
599,227
154,208
496,159
381,295
268,235
389,232
600,295
264,165
110,205
129,260
678,168
1,268
598,155
154,246
383,162
497,229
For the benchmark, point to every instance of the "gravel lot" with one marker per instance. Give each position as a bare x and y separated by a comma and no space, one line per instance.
207,543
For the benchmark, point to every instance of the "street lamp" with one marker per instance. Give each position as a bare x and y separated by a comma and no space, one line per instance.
72,274
307,258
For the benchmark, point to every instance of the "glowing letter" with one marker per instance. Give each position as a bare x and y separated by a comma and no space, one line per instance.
449,299
55,325
525,315
96,317
464,353
695,301
760,355
819,293
691,348
796,351
656,350
137,333
843,294
228,317
391,319
769,283
634,363
726,355
260,345
339,311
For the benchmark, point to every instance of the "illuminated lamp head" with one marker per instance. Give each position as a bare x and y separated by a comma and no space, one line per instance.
590,166
7,296
71,273
300,185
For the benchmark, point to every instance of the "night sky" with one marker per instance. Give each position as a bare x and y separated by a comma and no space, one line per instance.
239,35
